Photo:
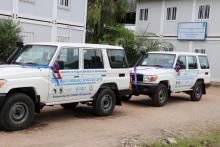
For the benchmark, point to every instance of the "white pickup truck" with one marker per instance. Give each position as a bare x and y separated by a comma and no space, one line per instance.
158,74
47,74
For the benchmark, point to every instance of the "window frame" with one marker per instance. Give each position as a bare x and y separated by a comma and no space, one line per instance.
203,56
170,15
144,14
69,48
127,65
28,1
63,6
83,59
204,12
200,51
186,67
196,62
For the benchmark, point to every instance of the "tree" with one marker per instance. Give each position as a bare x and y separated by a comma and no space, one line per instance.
101,15
134,46
104,25
9,36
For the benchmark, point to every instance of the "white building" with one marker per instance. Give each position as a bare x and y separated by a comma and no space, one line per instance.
167,19
48,20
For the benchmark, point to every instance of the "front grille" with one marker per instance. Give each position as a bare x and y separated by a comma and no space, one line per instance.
139,77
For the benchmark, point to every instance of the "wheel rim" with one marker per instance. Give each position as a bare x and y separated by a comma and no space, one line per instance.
162,95
18,113
198,92
106,102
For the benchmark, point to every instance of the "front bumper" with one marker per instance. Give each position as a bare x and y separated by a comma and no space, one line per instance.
145,89
2,99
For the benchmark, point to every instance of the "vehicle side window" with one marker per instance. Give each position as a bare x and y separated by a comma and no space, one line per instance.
93,59
192,62
181,61
68,58
204,63
117,58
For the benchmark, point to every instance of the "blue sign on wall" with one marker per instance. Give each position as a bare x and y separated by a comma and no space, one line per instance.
192,31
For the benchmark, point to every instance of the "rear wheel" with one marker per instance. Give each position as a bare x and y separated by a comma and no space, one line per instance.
69,105
104,103
160,96
196,94
17,113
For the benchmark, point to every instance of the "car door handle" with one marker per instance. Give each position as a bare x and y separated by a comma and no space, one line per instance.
206,73
76,76
103,75
121,75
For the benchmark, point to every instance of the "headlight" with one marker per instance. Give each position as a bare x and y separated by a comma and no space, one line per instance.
150,78
2,83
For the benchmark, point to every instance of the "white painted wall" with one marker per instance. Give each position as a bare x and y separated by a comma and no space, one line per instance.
38,8
153,22
6,6
45,20
184,14
187,11
77,12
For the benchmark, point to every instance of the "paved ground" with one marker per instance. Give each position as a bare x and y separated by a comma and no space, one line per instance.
58,128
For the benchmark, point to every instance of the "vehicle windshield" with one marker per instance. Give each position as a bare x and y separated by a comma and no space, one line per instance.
158,60
35,55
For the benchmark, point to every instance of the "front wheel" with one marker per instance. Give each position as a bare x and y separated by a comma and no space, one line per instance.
196,94
18,112
160,97
104,103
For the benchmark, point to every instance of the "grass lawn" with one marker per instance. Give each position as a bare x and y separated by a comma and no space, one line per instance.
211,140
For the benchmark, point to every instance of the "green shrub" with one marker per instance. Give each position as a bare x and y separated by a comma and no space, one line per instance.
9,36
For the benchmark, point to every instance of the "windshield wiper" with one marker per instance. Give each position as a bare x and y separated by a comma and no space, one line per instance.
31,63
157,65
18,63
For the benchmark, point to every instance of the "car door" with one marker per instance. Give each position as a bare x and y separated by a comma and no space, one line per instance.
204,71
64,82
93,72
192,72
118,71
181,75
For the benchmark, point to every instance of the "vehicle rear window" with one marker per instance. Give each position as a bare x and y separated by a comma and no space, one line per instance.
93,59
117,58
204,63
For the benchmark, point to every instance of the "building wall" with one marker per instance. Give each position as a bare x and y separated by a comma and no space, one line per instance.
187,11
154,10
46,20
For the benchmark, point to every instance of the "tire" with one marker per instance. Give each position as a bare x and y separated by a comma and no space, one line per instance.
104,103
126,98
17,113
196,94
160,97
69,105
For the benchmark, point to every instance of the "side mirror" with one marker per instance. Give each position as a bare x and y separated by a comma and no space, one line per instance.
61,64
177,68
57,66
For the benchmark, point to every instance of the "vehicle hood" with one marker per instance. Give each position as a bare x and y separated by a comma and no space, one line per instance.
151,70
18,71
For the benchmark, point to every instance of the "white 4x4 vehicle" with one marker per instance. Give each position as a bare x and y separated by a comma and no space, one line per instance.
47,74
158,74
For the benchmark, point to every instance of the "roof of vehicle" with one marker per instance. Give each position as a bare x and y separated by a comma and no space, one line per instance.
83,45
178,53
